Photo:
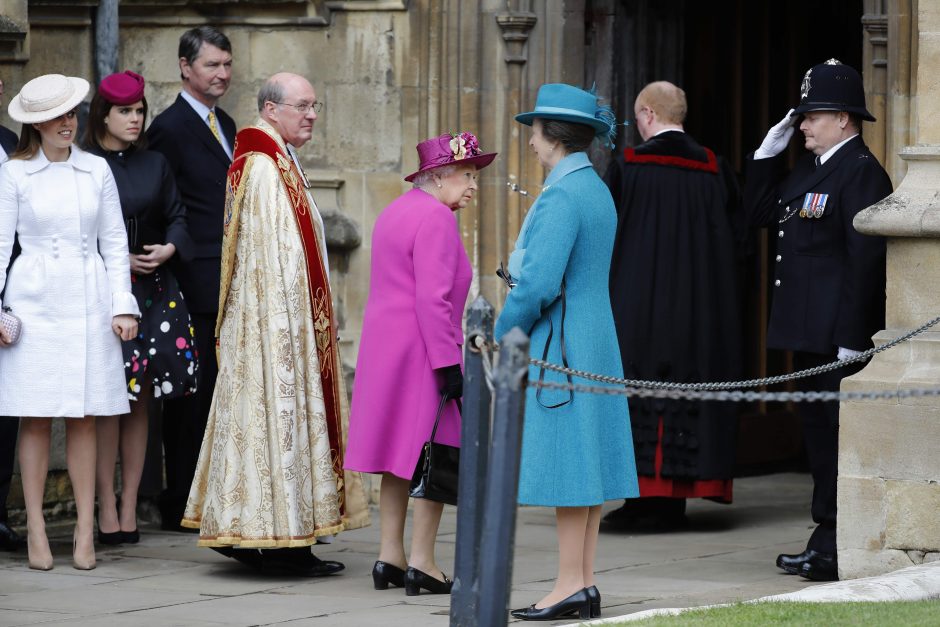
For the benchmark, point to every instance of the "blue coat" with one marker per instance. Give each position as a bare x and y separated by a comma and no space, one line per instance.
579,454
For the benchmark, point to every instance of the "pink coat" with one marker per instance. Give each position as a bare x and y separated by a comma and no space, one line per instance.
412,326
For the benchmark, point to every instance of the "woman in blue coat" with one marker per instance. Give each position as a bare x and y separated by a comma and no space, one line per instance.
577,449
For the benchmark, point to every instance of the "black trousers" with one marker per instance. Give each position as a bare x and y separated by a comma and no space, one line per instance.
184,423
9,427
821,437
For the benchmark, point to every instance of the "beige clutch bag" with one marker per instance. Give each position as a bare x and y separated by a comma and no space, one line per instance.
12,324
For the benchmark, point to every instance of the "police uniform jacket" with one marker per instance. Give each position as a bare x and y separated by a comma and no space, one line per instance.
828,279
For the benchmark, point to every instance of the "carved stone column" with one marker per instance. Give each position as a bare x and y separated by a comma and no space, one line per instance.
889,470
515,26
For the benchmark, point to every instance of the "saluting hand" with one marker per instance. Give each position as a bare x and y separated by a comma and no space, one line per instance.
777,137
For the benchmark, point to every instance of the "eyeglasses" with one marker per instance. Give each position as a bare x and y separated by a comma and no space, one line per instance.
303,107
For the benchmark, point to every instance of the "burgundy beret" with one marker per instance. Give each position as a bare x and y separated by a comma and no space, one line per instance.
123,88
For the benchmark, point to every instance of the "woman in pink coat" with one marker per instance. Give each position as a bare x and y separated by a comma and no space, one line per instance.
410,352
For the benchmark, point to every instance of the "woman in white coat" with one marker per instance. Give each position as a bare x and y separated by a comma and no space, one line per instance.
71,288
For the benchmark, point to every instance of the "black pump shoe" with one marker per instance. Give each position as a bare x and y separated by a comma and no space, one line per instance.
594,595
114,538
415,580
577,603
384,573
131,537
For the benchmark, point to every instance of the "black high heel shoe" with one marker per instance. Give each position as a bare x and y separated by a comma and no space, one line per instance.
131,537
113,538
415,580
594,595
384,573
577,603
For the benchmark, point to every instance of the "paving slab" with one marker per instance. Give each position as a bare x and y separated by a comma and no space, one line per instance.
724,554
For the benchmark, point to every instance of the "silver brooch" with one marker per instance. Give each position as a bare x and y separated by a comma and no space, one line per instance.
833,62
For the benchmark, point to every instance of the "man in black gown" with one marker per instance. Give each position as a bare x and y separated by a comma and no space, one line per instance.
675,302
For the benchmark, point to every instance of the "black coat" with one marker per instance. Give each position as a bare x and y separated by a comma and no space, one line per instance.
8,140
829,279
200,166
8,425
150,202
674,293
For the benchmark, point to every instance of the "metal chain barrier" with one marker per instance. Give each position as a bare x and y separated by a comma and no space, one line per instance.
487,358
738,396
717,390
732,385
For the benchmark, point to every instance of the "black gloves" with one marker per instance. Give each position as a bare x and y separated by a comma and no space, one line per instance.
453,381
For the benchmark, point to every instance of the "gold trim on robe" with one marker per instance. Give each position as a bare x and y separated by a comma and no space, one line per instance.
270,471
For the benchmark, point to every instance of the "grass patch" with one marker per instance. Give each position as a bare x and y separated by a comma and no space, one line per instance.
907,613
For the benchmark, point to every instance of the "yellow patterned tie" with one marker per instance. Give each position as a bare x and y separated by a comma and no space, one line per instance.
213,126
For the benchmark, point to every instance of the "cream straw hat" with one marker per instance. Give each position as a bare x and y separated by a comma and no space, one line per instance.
47,97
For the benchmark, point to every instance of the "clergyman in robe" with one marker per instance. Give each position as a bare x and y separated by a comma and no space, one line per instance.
270,478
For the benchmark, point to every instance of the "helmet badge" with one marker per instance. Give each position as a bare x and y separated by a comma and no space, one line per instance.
805,86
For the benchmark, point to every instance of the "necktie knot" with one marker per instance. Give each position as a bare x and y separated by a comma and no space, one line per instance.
818,161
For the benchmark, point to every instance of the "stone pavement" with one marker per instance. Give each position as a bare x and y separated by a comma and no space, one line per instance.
725,554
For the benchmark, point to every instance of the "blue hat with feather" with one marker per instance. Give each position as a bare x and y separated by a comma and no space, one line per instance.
558,101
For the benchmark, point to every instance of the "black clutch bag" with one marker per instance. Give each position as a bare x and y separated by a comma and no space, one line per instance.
437,472
141,233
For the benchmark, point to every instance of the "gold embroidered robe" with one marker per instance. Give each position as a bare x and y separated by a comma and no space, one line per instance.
270,472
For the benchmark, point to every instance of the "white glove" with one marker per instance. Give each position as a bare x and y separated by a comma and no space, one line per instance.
777,137
847,353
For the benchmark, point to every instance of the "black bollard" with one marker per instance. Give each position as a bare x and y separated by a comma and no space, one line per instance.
502,480
474,450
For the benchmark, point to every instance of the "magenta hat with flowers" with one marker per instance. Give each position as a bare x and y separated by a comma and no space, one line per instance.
449,149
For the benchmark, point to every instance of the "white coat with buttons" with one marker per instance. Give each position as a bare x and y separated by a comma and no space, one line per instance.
72,277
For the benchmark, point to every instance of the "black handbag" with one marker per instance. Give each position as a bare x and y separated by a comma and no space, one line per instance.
438,469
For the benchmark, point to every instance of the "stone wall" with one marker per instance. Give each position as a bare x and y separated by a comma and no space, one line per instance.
390,73
889,470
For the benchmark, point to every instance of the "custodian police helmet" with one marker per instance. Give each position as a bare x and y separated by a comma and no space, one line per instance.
833,86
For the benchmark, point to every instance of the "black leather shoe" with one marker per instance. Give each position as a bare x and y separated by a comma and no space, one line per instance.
793,564
9,539
578,603
594,595
384,573
248,557
297,561
821,567
647,514
416,579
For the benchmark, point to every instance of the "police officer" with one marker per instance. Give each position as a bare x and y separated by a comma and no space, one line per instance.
829,280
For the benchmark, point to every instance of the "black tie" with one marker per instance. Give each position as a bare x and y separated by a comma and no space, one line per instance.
818,161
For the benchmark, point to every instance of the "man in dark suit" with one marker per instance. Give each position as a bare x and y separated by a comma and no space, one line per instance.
829,280
197,138
9,539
